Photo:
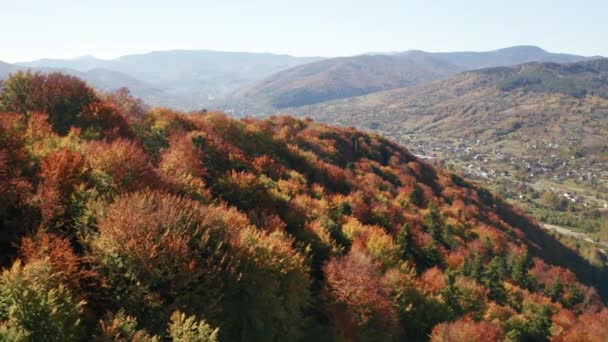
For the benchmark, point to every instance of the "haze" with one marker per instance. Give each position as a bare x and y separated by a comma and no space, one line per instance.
68,28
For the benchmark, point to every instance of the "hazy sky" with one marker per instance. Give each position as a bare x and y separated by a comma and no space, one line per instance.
31,29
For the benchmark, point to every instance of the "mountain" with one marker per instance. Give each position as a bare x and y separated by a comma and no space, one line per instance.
6,69
545,101
337,78
187,79
503,57
345,77
121,224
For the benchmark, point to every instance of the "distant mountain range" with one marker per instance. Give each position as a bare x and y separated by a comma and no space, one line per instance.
191,80
6,69
534,102
178,78
337,78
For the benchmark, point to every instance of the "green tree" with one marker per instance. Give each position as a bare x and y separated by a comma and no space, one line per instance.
434,223
35,305
19,92
575,295
493,280
535,326
477,267
189,329
556,290
519,269
404,241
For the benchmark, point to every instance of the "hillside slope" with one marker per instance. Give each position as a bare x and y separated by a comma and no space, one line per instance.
544,102
337,78
118,224
346,77
538,133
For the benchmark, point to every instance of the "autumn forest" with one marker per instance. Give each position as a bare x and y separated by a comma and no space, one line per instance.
120,222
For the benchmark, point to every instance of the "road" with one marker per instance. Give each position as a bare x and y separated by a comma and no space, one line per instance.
570,232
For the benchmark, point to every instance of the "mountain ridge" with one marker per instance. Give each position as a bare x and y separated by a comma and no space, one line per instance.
326,80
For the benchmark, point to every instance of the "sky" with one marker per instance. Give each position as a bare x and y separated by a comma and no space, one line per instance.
33,29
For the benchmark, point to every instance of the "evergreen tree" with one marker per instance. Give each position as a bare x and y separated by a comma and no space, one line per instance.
434,224
477,268
519,270
416,197
575,295
493,280
556,290
404,241
489,247
451,292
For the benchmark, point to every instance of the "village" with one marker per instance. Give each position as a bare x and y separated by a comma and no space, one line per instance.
573,177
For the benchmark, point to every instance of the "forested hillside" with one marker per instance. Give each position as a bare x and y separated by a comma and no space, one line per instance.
125,224
533,132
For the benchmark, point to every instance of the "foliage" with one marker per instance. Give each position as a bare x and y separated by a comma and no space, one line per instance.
188,329
357,300
273,229
120,327
466,330
62,97
35,305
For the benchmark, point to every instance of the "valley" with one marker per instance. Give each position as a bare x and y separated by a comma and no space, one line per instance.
542,144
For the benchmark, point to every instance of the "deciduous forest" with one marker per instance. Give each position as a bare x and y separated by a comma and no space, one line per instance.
120,222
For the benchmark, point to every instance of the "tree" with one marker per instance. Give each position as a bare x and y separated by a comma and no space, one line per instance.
404,242
357,301
575,295
519,269
493,280
156,251
556,290
477,267
535,324
588,327
120,327
61,96
64,98
21,91
189,329
119,166
416,197
35,304
466,330
434,223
